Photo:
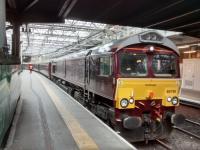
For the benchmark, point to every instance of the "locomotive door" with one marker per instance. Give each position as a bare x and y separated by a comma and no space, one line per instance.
49,70
87,72
87,75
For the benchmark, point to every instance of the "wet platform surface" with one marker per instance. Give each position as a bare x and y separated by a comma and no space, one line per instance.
52,120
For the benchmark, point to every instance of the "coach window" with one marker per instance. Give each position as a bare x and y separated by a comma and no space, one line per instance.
105,66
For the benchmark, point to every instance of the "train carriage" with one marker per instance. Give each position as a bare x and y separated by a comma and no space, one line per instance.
43,68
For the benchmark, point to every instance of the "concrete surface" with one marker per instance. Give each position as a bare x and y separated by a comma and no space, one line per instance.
42,125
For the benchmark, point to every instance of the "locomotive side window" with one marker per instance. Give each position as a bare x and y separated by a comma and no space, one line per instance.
164,65
105,66
133,64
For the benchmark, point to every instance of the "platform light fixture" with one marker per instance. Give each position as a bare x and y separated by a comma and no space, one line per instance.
188,46
189,52
184,46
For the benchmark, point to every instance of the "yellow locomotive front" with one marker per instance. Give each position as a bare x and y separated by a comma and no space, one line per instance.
147,89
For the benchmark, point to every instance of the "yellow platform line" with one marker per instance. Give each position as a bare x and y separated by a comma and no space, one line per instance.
82,139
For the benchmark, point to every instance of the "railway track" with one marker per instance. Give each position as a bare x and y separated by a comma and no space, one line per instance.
186,131
171,144
163,144
193,122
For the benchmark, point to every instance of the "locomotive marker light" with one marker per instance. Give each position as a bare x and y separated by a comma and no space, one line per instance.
124,103
169,99
131,101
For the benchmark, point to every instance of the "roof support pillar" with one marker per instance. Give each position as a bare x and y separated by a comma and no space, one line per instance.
2,23
16,39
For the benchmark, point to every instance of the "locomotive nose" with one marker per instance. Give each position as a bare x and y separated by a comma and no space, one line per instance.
132,122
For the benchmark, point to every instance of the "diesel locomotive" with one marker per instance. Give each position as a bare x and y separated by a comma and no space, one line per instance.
133,83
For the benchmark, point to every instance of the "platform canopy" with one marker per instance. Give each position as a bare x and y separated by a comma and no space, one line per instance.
176,15
55,40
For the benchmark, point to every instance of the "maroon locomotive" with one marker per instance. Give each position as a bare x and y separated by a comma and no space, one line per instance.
132,84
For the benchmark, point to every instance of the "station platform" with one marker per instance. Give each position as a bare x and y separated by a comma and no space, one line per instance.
49,119
190,97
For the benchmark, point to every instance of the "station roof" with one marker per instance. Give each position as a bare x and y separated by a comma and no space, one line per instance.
175,15
55,40
181,40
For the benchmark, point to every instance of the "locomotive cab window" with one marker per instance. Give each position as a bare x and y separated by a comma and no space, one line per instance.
133,64
105,66
164,65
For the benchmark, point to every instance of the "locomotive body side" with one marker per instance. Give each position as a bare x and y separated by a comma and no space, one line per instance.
101,75
70,70
74,71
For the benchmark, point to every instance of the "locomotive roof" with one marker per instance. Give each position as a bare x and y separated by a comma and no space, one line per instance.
149,37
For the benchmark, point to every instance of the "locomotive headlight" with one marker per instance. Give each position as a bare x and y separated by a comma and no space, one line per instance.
169,99
124,103
131,101
174,100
